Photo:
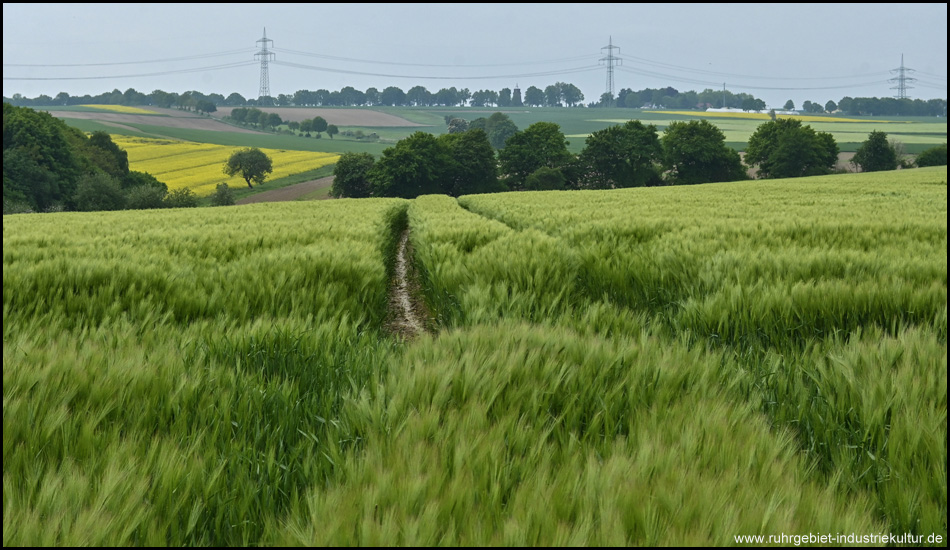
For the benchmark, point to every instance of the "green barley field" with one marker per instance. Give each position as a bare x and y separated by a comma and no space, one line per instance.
660,366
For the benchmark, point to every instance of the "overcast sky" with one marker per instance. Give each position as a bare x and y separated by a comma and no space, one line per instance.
775,52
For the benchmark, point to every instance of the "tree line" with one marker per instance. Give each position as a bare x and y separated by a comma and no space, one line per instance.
51,166
264,120
559,94
491,155
670,98
555,95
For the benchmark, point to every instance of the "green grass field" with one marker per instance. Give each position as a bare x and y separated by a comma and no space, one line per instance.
659,366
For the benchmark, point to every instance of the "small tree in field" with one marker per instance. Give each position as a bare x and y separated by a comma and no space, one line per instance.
318,124
696,152
785,148
251,163
875,154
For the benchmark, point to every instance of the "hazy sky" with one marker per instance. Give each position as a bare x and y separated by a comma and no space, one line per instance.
775,52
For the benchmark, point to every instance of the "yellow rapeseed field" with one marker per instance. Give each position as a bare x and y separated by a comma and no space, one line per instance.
198,166
121,109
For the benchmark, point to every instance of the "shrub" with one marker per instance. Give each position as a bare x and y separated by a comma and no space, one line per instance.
223,196
181,198
99,191
545,178
144,197
137,179
16,207
935,156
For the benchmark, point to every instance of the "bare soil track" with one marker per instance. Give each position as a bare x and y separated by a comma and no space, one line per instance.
407,311
289,193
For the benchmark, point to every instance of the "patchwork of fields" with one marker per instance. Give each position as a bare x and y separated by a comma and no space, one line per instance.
394,123
657,366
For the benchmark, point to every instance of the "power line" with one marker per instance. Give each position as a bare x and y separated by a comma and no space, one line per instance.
749,86
735,75
168,60
451,65
425,77
264,56
902,79
160,73
637,66
610,60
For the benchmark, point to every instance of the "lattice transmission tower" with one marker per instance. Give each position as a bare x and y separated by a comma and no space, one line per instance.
902,80
264,56
610,60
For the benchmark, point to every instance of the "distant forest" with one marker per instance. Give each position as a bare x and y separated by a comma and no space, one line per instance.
559,94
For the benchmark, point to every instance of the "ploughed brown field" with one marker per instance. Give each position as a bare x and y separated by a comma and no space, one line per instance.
174,119
340,117
189,120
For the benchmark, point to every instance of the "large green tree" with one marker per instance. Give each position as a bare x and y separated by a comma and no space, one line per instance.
40,166
418,96
393,96
498,126
570,94
458,125
272,120
696,152
625,155
784,148
415,166
44,161
534,97
473,167
504,97
540,145
106,154
351,176
250,163
875,154
552,96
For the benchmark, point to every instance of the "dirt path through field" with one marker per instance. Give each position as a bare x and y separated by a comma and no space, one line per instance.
407,311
